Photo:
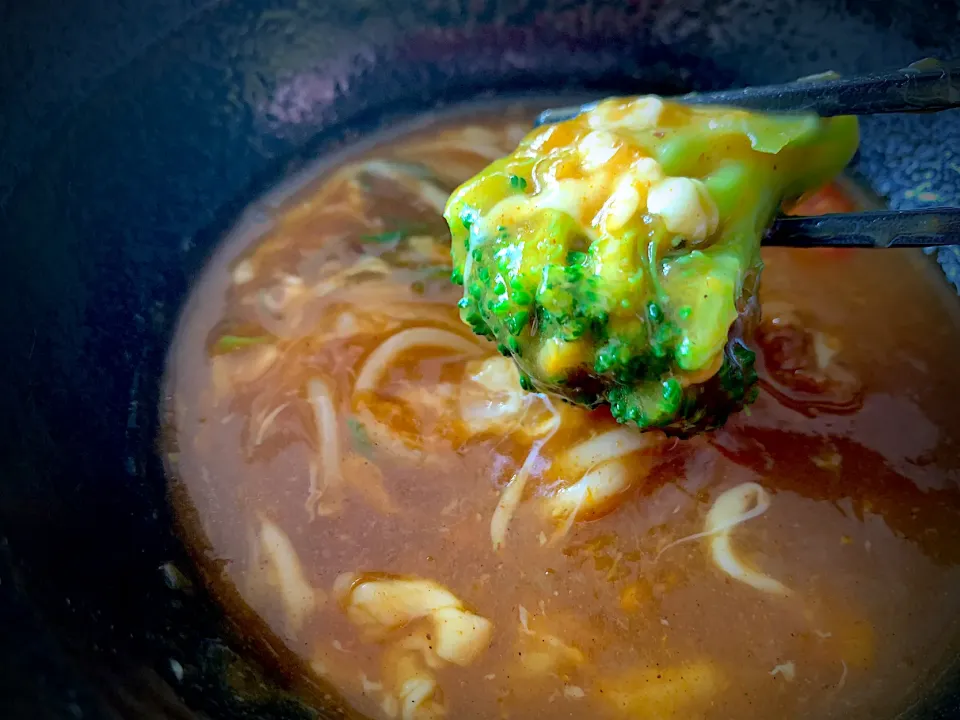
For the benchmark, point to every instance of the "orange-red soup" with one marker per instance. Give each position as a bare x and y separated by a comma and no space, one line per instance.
369,480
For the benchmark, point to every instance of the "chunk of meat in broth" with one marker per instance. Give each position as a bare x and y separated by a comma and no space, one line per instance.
424,627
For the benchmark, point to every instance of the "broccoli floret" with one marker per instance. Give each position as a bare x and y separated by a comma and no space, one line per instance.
616,256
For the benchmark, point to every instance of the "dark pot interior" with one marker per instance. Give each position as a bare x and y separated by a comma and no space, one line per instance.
133,134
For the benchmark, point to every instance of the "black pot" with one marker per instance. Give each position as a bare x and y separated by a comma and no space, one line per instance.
131,134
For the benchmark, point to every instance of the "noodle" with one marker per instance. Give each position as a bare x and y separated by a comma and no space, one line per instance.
603,476
733,507
726,560
365,265
325,416
513,492
367,479
387,353
382,437
431,194
285,572
605,446
268,422
376,365
591,492
760,507
511,496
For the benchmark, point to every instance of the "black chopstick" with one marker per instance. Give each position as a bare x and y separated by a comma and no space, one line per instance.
928,87
881,229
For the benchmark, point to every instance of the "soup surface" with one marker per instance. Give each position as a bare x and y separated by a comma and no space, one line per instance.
366,476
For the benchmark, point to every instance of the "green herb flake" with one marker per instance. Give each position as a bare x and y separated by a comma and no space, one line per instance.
389,237
359,437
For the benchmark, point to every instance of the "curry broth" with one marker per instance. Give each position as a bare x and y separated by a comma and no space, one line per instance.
599,615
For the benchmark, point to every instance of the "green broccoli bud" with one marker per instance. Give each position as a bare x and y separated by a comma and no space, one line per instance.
633,283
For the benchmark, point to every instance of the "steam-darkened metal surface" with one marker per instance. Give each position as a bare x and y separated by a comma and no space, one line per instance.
881,229
132,133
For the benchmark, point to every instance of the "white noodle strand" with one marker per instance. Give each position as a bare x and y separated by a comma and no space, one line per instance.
761,506
325,416
513,493
381,358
